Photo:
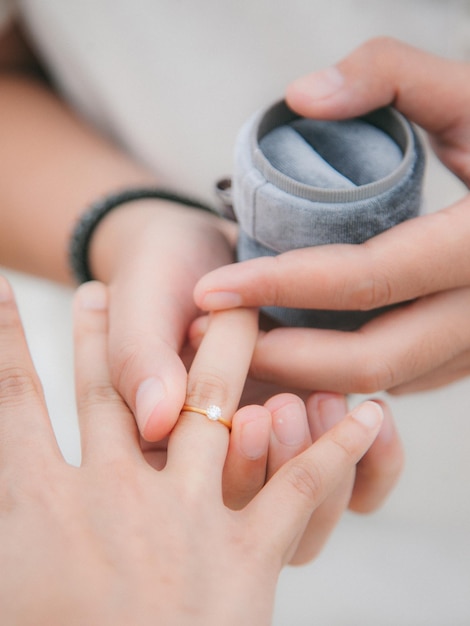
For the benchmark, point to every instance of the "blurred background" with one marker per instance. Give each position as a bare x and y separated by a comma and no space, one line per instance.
409,564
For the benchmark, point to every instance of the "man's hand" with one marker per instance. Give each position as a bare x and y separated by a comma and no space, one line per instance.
423,263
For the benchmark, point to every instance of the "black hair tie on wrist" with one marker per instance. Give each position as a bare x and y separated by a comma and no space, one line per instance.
89,220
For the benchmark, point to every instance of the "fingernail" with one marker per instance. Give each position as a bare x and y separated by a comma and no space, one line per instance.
220,300
388,430
320,84
289,425
369,414
149,394
254,439
93,296
199,328
330,408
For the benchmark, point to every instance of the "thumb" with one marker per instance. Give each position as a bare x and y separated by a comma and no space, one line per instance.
431,91
144,357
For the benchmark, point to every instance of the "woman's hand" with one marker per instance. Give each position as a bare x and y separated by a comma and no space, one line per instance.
116,541
264,438
424,262
150,254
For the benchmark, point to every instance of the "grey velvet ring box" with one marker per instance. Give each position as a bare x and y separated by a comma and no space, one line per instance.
300,182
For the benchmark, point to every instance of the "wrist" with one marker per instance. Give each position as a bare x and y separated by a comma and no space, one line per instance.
117,233
84,232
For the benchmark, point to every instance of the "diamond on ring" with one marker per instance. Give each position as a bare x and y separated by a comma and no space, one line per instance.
214,412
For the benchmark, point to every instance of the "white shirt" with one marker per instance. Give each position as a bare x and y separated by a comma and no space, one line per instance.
173,80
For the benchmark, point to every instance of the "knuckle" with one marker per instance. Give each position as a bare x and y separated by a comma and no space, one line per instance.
363,280
378,294
306,480
375,375
124,358
381,47
374,290
277,289
342,448
210,386
381,292
339,292
267,289
98,393
273,295
17,384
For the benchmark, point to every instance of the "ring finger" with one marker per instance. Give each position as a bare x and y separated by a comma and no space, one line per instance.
215,384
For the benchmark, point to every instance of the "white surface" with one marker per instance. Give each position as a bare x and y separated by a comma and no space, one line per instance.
408,565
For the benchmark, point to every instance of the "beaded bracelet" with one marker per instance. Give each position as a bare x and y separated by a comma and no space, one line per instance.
89,220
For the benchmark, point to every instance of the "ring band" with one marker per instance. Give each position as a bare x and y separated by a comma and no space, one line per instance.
213,412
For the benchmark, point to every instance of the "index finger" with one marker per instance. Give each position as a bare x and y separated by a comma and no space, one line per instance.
416,258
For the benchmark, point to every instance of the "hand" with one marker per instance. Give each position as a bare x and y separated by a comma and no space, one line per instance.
116,542
218,375
145,340
363,490
424,262
150,254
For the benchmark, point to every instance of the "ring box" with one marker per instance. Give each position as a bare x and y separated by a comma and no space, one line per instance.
300,182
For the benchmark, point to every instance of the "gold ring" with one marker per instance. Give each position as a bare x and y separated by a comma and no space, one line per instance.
213,412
